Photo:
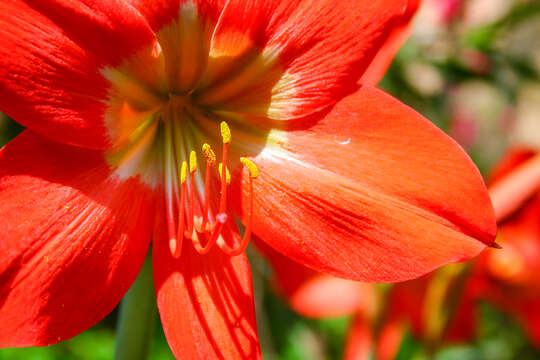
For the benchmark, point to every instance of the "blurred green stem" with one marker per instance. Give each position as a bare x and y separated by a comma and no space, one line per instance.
137,318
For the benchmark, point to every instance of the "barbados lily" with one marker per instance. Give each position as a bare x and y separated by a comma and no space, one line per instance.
510,275
506,277
130,106
441,306
318,295
380,316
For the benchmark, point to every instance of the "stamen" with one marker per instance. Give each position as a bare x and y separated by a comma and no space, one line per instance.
170,188
181,220
225,132
204,229
227,176
192,169
192,161
209,154
243,243
183,174
221,219
250,165
226,135
210,160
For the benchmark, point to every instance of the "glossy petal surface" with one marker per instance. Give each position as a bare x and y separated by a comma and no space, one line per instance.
205,303
73,239
300,56
376,70
373,192
51,54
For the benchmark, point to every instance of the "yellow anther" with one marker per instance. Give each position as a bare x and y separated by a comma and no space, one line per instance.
228,174
192,161
183,173
253,171
209,154
225,132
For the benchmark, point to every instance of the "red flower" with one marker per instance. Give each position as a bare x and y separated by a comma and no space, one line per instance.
381,317
507,278
116,95
510,276
317,295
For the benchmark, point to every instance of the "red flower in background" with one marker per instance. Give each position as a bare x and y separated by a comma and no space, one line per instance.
449,9
510,276
117,96
506,278
440,306
380,319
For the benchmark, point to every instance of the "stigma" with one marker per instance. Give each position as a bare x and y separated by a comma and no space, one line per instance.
193,213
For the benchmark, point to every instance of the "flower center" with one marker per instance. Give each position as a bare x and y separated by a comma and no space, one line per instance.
164,105
190,212
157,141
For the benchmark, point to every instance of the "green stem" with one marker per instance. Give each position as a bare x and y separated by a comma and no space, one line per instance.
137,318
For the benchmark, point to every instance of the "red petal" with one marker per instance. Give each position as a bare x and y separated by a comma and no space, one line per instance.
463,324
205,302
527,312
73,239
313,294
409,306
518,263
373,192
160,13
518,201
511,160
360,340
323,48
390,338
327,45
405,304
376,70
514,180
51,53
